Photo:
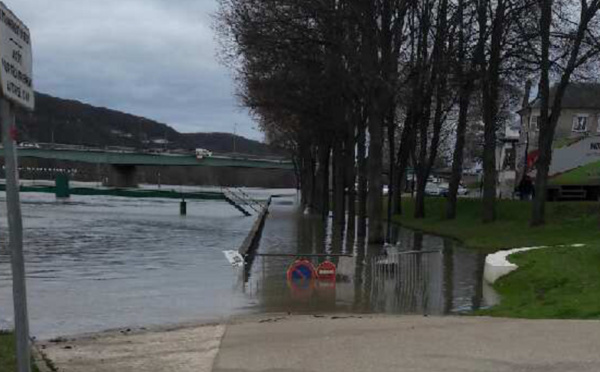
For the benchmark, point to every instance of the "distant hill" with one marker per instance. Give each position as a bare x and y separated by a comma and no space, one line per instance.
63,121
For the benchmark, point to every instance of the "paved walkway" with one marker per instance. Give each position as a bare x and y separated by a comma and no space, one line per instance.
346,343
178,350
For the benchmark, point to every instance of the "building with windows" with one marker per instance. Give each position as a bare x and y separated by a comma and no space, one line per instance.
580,115
577,134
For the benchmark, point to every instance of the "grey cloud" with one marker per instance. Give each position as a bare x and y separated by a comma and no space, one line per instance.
153,58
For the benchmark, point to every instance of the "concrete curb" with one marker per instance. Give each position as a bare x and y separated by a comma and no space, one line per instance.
251,241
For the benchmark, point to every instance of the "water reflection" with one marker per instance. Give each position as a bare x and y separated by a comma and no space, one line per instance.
415,274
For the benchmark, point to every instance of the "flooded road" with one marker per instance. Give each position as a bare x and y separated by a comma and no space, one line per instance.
445,279
96,263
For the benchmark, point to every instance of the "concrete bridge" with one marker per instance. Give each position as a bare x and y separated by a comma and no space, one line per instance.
123,163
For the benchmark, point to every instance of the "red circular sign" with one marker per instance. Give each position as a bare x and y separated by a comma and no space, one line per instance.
300,278
326,271
301,272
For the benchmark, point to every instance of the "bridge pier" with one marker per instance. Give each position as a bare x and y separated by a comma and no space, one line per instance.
62,186
122,176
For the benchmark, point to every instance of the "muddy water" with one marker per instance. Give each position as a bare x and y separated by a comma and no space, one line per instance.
96,263
445,278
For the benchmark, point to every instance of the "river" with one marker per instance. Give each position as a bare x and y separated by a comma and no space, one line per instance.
97,263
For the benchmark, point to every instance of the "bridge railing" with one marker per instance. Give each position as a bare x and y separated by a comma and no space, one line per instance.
242,199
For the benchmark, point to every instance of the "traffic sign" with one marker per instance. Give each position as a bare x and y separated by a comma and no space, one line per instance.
326,271
300,278
16,69
301,273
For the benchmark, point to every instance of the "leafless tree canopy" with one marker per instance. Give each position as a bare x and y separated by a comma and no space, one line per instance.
362,91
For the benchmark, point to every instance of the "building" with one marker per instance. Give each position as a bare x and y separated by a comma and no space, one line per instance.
576,135
580,115
506,158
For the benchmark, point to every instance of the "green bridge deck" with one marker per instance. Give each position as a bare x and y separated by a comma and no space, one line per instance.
129,193
140,158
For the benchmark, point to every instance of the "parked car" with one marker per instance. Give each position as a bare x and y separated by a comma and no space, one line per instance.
462,190
433,189
445,189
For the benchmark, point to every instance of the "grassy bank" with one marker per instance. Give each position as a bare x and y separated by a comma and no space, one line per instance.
568,223
550,283
8,359
559,283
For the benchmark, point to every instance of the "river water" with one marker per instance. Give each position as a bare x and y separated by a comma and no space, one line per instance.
96,263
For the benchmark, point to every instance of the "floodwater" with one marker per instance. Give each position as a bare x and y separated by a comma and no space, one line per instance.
416,274
97,263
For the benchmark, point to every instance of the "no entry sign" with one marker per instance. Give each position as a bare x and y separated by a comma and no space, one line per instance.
326,271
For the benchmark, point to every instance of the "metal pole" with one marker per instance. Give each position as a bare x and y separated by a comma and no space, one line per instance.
183,207
234,135
15,226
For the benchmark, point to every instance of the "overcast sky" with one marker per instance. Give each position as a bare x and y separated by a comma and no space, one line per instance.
152,58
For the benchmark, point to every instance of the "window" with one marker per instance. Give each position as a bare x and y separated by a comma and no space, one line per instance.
580,123
534,122
510,159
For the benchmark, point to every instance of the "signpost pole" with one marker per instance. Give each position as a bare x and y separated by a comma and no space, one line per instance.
15,225
16,88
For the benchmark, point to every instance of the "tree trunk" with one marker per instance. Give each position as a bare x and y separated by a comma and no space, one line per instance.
391,132
421,167
362,182
538,212
372,52
307,178
490,114
339,199
489,165
406,143
467,85
322,181
374,173
351,177
458,155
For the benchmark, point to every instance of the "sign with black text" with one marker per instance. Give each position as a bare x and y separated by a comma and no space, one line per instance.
16,69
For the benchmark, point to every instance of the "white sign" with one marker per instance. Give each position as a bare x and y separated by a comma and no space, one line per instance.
234,258
16,72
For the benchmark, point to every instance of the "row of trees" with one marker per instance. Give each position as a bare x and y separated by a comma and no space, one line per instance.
361,88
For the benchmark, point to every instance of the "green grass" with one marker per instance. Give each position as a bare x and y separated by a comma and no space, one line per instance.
8,359
567,223
7,352
588,174
564,142
558,283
